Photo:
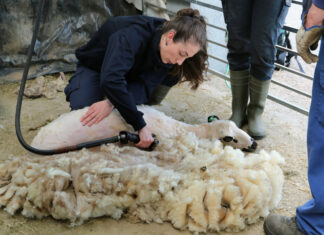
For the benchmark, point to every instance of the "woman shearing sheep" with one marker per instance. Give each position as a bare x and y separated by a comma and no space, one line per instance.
135,60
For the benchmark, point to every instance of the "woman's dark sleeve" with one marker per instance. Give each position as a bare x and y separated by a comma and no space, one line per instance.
119,59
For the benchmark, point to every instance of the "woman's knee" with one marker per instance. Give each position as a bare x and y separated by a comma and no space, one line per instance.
83,89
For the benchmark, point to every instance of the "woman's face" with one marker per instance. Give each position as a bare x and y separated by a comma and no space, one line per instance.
176,52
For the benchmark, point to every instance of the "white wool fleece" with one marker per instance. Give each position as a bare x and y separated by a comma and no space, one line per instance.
196,184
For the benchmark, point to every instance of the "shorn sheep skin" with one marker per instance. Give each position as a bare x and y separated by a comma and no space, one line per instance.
67,130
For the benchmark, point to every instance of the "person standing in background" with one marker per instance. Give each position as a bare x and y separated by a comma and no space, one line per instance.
309,217
253,29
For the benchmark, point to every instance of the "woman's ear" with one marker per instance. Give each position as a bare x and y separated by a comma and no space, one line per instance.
170,35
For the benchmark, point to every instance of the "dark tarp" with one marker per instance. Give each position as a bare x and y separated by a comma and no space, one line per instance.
65,25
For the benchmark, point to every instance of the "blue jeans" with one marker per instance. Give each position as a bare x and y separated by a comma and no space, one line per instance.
310,216
253,28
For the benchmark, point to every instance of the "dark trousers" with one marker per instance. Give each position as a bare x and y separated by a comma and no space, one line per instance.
84,89
253,28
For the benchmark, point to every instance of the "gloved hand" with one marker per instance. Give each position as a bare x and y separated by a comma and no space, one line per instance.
306,41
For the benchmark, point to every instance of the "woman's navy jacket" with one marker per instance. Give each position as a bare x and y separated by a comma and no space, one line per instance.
125,51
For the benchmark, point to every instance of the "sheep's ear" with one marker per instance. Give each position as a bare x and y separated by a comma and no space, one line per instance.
212,118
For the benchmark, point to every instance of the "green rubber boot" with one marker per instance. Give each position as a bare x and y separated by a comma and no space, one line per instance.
158,95
258,95
240,95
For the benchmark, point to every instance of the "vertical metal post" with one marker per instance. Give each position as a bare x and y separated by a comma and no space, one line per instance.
144,7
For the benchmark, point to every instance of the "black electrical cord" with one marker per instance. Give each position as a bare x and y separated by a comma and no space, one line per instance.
22,87
124,137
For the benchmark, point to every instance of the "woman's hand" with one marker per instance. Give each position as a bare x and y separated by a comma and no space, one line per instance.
146,138
97,112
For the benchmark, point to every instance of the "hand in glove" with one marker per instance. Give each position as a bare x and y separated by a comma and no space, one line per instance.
308,39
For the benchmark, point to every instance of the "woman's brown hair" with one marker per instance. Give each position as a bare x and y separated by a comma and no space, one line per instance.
190,25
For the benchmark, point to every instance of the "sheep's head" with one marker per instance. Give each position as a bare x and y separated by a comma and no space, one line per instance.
230,134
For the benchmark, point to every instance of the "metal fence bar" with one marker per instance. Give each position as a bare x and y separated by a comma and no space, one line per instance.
272,80
288,105
294,71
221,75
216,27
290,29
297,2
280,48
270,97
216,43
291,89
217,58
285,27
276,64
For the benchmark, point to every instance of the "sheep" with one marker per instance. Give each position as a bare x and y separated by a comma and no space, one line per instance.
67,130
194,183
